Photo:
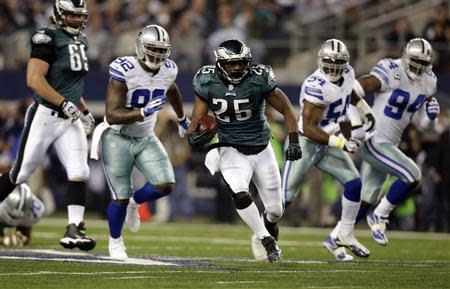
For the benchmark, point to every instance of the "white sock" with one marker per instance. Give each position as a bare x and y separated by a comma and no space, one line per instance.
251,217
384,208
335,231
76,214
349,213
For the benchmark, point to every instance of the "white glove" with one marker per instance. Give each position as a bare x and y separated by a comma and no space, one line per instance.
183,125
88,122
341,142
358,133
70,109
433,109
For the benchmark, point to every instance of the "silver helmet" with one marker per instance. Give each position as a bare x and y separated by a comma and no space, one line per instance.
417,57
153,46
333,58
64,10
233,60
17,205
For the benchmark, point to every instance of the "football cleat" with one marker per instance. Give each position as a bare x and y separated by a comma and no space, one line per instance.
377,226
258,249
272,228
132,219
117,249
339,252
272,249
75,237
349,241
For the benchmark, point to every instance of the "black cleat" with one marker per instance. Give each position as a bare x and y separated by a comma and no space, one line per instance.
76,238
272,228
273,251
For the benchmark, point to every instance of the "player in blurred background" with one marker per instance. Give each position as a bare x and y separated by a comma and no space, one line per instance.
401,87
139,86
20,210
237,91
59,113
324,99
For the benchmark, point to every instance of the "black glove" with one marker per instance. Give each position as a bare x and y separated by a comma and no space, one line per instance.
370,123
197,139
293,152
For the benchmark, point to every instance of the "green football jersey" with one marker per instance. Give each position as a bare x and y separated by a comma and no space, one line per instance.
69,65
239,108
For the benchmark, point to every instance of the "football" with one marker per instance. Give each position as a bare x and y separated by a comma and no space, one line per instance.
207,122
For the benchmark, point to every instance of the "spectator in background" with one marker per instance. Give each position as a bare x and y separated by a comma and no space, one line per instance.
435,32
397,39
100,48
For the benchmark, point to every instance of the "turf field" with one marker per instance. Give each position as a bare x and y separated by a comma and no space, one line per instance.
219,256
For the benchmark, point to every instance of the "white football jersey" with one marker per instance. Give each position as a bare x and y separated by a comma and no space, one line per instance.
142,87
399,98
317,89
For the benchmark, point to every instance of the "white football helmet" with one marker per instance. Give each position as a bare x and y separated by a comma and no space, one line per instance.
333,58
417,57
17,205
153,46
233,60
63,10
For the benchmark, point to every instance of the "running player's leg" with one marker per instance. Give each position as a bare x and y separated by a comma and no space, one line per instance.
118,163
71,148
339,164
40,130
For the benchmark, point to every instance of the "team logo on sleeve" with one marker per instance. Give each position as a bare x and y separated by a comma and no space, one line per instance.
41,38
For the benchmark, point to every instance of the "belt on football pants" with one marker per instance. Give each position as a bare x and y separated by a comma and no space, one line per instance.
58,114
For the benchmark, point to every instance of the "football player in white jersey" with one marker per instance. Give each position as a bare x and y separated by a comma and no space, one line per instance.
324,99
401,88
21,209
139,86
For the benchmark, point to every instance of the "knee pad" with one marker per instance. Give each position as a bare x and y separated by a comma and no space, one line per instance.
274,212
242,200
352,190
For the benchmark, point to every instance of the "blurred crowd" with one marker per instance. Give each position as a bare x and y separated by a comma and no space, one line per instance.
270,27
196,28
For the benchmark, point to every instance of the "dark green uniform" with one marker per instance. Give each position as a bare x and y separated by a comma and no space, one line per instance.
239,108
68,64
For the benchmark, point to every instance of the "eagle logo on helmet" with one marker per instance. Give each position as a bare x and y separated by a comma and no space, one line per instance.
70,15
233,60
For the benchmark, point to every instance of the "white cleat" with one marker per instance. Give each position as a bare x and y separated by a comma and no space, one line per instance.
350,242
117,249
339,252
132,219
258,249
377,226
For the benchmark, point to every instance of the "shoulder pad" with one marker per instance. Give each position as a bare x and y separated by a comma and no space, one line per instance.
431,83
387,71
263,75
119,68
43,36
170,64
201,80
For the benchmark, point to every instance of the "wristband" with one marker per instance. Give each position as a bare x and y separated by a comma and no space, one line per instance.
86,112
335,141
293,137
182,119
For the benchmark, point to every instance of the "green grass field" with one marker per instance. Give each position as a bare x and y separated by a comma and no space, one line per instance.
219,256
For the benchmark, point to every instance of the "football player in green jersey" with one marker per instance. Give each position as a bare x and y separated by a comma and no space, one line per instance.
236,91
59,113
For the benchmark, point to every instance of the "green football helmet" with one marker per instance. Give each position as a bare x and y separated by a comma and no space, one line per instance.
233,60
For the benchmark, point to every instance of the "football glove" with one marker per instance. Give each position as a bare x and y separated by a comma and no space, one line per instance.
358,132
433,109
369,124
341,142
293,151
88,122
183,125
197,139
154,105
70,110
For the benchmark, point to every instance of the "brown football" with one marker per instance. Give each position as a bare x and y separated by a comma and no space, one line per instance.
207,122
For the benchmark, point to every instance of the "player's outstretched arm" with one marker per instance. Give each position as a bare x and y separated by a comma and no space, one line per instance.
116,113
280,102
